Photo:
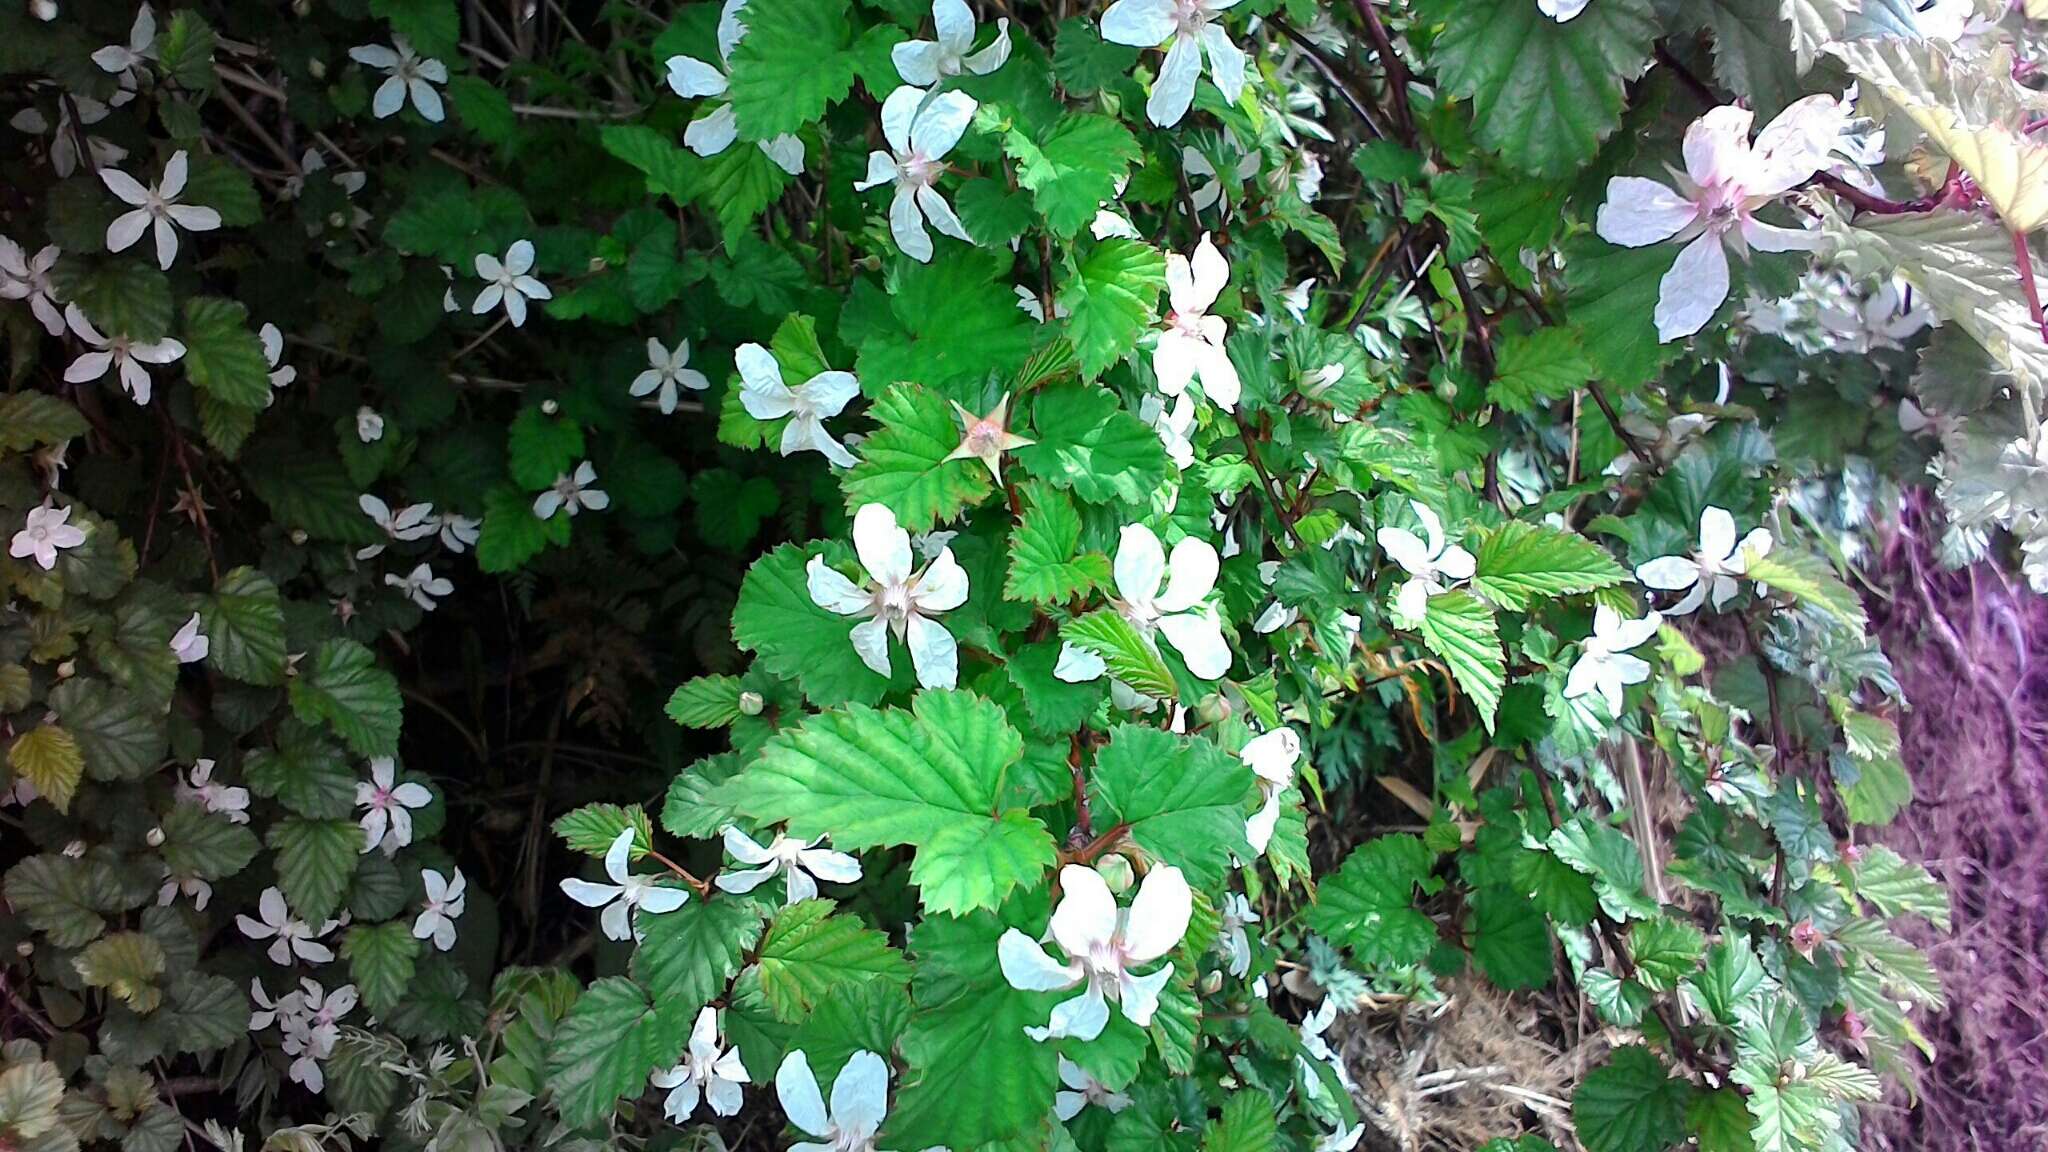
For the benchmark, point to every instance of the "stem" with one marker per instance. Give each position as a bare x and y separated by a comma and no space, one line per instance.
1397,72
1635,447
1266,485
2025,259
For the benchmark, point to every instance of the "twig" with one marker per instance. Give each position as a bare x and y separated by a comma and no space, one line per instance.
1397,72
1614,421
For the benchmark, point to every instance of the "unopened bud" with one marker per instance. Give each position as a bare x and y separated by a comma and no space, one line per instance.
1213,709
67,669
751,703
299,536
316,66
335,220
1212,983
154,838
25,949
549,407
1115,872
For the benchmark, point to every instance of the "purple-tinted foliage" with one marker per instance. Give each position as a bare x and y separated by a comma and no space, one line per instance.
1971,651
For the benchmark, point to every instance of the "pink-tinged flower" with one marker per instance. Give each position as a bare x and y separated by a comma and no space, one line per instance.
1194,30
156,205
23,277
926,62
189,644
895,599
289,935
1191,346
920,133
124,355
1161,594
1713,209
708,1070
808,405
1079,1090
44,534
626,892
801,865
446,899
199,787
388,822
1104,945
986,438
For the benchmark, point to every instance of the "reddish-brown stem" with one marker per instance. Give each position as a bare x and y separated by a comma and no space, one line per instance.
2025,260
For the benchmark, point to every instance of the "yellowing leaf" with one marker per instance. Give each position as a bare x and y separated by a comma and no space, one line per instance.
48,758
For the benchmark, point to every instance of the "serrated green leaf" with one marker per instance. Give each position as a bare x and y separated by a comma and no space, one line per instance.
204,844
604,1049
1808,579
315,859
1184,800
31,418
1044,566
687,956
1539,368
792,64
1630,1104
1665,951
223,358
1510,940
1896,887
341,685
61,897
1072,167
1608,286
1247,1125
1130,656
1368,906
688,810
127,966
1522,562
795,638
244,625
903,465
48,757
1728,982
705,702
1461,629
118,733
592,828
306,772
809,954
948,324
1610,860
1110,300
380,961
540,447
730,510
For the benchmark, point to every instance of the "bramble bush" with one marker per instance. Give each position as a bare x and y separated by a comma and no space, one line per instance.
1055,456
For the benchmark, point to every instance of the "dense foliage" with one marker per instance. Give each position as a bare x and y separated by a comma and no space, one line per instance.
1056,456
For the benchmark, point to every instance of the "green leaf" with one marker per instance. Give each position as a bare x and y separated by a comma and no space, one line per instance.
592,828
315,859
1523,562
120,735
1184,800
974,1076
795,638
688,810
1044,566
48,757
687,956
1073,167
903,465
948,324
793,63
730,510
1087,442
810,955
931,778
1510,940
1369,905
123,297
244,625
1130,656
223,357
1630,1104
31,418
1729,982
380,961
1539,368
1807,578
342,685
306,772
1055,706
432,26
62,898
1898,888
205,844
1665,951
665,165
1544,94
512,534
309,490
540,448
1607,289
207,1012
127,965
1247,1125
604,1049
737,184
1610,859
1461,629
30,1091
484,109
705,702
1111,299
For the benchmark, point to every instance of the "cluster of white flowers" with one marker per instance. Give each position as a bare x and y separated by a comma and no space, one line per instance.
25,277
708,1071
309,1018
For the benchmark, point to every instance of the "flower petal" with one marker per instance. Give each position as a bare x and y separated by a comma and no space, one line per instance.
797,1089
1159,915
1027,968
1640,211
1140,563
1087,914
1693,290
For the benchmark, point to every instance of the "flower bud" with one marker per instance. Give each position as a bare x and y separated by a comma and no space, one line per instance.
549,407
299,536
1212,983
25,949
154,838
1115,872
317,67
67,669
751,704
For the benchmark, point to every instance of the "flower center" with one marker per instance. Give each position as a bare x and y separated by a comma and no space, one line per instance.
1188,17
919,170
983,438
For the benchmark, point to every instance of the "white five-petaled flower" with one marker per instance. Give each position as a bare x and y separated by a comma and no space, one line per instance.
572,492
28,278
141,46
156,205
289,935
199,787
273,351
43,534
626,892
920,132
1604,666
808,405
508,280
1207,191
1191,345
1711,572
1141,568
446,898
408,523
801,865
405,74
459,533
860,1102
1103,944
124,355
312,1027
388,822
1194,29
667,371
187,885
420,586
1236,912
895,599
1271,756
1431,563
369,424
188,644
1561,11
926,62
707,1070
690,78
986,438
1726,179
1079,1090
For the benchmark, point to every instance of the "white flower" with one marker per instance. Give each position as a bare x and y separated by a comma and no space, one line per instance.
273,351
141,46
1029,304
1314,1047
63,148
408,523
707,1070
1080,1090
267,1011
199,787
1560,11
369,425
192,887
1192,26
860,1102
1236,913
420,586
446,899
690,77
625,893
1604,665
1175,426
44,534
25,278
1725,181
808,405
1346,1139
895,599
802,865
572,492
459,533
1109,224
1191,345
1103,944
986,438
118,352
405,74
1140,569
1431,564
189,644
1712,571
920,132
156,205
1295,302
312,1028
44,10
1271,756
1207,189
507,280
289,935
666,371
388,822
926,62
